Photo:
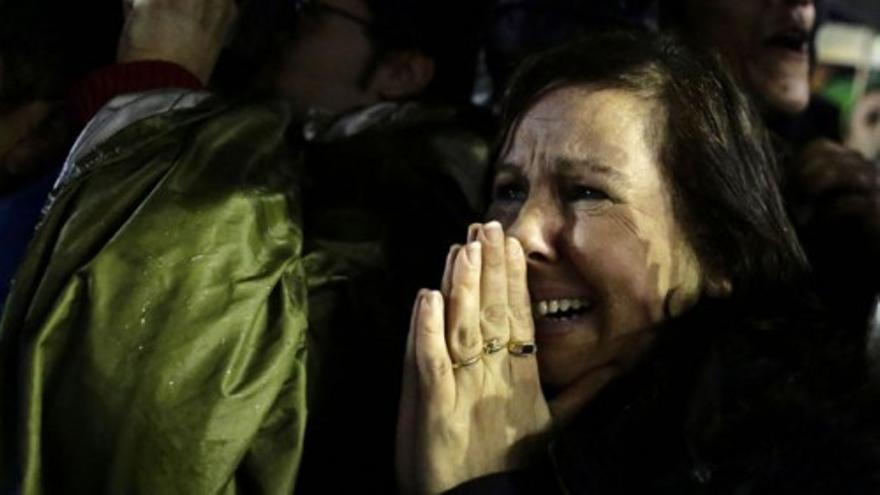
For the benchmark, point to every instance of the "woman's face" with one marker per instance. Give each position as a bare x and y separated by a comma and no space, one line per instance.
580,186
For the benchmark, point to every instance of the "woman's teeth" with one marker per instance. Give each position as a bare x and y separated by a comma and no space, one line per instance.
557,308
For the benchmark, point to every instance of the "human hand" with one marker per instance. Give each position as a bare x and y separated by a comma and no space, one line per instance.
472,403
837,188
189,33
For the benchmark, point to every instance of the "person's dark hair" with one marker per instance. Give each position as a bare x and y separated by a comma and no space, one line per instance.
714,151
448,31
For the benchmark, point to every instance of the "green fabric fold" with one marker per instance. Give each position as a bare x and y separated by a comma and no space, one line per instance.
155,340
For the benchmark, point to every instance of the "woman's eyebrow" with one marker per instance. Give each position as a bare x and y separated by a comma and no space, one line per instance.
507,168
572,167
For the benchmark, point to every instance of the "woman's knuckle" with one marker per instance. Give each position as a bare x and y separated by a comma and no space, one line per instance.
495,314
520,314
466,339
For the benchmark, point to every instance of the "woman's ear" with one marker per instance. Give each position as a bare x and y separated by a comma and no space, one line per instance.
403,74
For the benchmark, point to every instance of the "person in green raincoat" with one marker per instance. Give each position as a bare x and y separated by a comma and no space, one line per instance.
215,299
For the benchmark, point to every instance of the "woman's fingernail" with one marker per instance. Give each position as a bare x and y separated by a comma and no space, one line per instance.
473,253
494,232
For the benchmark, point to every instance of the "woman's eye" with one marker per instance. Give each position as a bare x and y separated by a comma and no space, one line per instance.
509,192
586,193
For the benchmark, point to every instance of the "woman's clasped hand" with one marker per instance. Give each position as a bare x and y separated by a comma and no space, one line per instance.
471,385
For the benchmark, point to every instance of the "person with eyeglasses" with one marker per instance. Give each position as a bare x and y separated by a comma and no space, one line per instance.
215,298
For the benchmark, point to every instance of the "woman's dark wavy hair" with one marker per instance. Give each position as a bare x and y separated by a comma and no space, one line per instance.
715,153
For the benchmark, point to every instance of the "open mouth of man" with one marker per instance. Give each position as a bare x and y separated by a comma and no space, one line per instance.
795,41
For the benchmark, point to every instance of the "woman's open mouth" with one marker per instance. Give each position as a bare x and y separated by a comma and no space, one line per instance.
560,309
792,40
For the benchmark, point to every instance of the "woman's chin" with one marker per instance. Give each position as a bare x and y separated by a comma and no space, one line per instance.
559,370
555,377
568,391
564,348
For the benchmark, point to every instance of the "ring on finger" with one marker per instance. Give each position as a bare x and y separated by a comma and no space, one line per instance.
492,346
522,348
467,362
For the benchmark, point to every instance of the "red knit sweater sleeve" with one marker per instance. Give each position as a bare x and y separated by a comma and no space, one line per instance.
101,85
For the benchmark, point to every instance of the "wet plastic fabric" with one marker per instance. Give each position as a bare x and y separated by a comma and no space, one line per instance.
155,341
19,212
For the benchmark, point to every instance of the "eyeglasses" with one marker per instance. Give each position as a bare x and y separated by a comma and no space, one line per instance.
317,8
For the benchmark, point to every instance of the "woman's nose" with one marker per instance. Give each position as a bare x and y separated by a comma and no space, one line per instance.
537,227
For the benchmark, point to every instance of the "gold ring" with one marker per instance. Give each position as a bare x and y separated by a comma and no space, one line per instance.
492,346
467,362
522,348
